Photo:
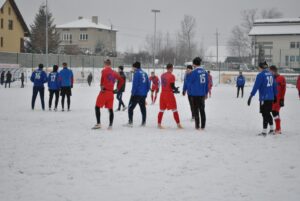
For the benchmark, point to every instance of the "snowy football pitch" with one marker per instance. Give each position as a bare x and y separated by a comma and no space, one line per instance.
55,156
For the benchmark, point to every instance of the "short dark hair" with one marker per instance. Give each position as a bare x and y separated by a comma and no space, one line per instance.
64,64
107,62
208,71
55,68
197,61
274,68
189,67
263,65
137,64
169,66
121,68
41,65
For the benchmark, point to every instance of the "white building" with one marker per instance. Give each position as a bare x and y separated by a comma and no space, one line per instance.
89,35
280,40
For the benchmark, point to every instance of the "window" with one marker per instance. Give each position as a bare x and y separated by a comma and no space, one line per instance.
9,10
67,37
10,25
298,45
293,45
1,42
286,60
2,10
83,36
1,23
292,59
298,58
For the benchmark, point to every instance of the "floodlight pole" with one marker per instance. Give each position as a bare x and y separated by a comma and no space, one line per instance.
47,43
155,11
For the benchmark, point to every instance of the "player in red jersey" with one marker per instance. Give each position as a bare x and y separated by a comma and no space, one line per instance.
154,80
106,95
210,83
167,98
281,88
298,85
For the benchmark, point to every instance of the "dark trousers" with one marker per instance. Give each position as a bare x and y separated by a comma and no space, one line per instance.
98,114
238,91
191,106
199,107
7,82
63,100
41,91
134,100
266,109
119,98
51,94
22,83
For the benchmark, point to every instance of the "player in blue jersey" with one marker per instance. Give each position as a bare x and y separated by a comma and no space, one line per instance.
53,87
66,83
265,83
39,78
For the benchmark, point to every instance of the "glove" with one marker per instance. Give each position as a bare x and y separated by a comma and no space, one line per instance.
152,90
183,93
72,86
115,91
176,90
275,99
249,101
281,102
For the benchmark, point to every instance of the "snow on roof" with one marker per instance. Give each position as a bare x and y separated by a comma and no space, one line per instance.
275,30
84,23
278,20
2,3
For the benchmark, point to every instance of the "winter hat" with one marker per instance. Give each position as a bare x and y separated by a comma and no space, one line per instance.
41,66
274,68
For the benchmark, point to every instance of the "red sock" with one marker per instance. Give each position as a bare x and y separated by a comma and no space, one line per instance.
160,116
277,122
176,117
152,97
155,97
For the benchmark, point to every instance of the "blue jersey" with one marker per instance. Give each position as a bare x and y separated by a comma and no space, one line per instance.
140,83
53,81
266,85
66,77
198,82
240,81
39,78
186,83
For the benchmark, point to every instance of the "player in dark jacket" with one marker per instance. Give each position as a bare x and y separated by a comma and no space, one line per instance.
2,77
121,88
240,83
22,80
53,86
267,87
66,83
90,79
8,79
39,78
186,88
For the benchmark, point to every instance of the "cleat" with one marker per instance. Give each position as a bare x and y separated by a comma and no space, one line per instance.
278,132
129,125
50,109
55,109
62,110
109,128
271,132
97,126
179,126
143,125
117,110
125,108
262,134
159,126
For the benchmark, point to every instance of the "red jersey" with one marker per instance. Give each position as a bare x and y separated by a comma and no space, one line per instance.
298,83
281,86
154,81
109,78
166,80
210,81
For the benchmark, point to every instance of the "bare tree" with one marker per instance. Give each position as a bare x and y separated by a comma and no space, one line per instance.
271,13
238,43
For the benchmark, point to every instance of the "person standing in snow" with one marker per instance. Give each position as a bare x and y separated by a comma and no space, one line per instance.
210,83
8,79
53,86
2,77
90,79
121,88
66,83
139,92
281,88
298,86
240,83
22,80
39,78
267,87
154,82
186,88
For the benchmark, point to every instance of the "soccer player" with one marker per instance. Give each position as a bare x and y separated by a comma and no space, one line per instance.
154,81
210,83
53,86
298,85
198,92
240,83
266,85
186,88
106,95
281,88
167,99
66,83
39,78
139,91
121,88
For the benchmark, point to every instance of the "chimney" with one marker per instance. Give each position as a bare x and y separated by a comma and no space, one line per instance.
95,19
80,17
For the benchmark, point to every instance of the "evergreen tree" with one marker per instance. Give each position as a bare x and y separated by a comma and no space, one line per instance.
38,33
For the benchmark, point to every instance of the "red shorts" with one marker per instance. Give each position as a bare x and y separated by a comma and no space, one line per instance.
105,99
154,88
167,101
276,106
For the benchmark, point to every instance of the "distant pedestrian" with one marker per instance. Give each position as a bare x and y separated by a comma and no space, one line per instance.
90,79
121,88
54,87
8,79
210,83
22,80
240,83
2,77
66,83
39,78
298,85
187,88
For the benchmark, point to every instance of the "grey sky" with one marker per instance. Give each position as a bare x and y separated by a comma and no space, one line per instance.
134,20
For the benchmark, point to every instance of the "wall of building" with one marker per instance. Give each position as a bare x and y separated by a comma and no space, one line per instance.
11,38
279,49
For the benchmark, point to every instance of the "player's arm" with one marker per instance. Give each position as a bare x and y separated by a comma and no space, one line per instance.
72,79
258,82
32,76
206,84
135,83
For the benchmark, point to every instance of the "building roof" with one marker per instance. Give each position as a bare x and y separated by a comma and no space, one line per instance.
18,13
283,26
84,23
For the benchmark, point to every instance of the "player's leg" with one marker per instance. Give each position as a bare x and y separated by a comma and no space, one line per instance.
63,95
155,96
142,104
132,104
51,93
152,97
242,88
238,91
202,112
191,106
277,120
196,108
98,115
111,117
56,98
119,100
42,96
34,95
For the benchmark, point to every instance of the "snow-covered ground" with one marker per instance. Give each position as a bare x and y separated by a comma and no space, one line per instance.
55,156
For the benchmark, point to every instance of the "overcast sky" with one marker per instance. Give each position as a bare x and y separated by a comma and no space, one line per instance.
134,20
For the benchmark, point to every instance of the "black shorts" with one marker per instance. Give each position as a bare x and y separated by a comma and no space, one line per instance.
66,91
266,106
